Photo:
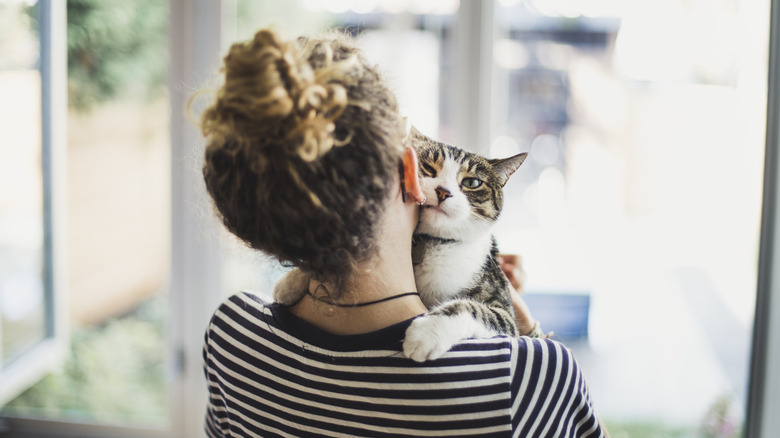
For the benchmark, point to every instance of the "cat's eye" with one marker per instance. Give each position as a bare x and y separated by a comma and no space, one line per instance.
428,169
471,183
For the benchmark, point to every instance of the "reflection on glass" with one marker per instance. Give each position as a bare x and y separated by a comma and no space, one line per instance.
645,125
22,307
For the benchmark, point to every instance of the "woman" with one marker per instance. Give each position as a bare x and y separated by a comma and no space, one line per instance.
305,161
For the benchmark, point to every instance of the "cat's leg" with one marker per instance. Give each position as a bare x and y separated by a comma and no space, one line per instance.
433,334
291,288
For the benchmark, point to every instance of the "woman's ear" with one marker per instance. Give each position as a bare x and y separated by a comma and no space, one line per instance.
411,177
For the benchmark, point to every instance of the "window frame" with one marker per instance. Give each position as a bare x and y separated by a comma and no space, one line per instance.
764,382
196,53
195,50
47,354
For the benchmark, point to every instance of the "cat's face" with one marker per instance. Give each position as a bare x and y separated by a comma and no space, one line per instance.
464,191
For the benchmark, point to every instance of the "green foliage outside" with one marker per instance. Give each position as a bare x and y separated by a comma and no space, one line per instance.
720,421
647,429
116,48
114,373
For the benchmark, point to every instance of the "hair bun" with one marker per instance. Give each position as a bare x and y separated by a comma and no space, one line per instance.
272,164
272,93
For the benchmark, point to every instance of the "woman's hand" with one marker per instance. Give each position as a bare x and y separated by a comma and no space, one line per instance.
512,265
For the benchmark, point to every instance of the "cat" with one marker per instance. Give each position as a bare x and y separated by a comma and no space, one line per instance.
454,252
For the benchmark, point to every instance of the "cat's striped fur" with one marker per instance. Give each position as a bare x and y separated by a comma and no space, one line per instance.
455,254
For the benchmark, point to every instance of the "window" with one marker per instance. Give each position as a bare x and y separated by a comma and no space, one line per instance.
637,213
31,325
113,270
641,195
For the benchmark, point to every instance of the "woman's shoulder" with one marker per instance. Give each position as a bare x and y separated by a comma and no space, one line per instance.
525,357
242,309
519,348
540,345
550,394
543,354
248,299
528,359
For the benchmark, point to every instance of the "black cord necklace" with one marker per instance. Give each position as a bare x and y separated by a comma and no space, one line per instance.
367,303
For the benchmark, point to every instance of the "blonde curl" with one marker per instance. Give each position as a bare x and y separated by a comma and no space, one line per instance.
270,92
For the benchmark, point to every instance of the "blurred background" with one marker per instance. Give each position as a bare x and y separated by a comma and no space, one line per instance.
637,213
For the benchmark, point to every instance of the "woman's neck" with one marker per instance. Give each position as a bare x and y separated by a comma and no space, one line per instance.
387,274
368,286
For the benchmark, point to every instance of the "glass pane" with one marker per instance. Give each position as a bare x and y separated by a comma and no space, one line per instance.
118,198
22,306
411,42
637,211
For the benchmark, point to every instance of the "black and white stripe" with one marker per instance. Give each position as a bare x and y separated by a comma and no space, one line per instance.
271,374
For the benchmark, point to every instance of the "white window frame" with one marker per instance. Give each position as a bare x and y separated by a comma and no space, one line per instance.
763,404
195,54
48,353
472,90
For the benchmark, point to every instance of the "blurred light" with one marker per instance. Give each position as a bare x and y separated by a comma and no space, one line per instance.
504,146
508,3
645,54
422,7
551,196
364,6
313,5
554,56
419,7
510,54
447,7
604,8
573,8
414,74
545,149
337,6
394,6
531,197
21,293
558,8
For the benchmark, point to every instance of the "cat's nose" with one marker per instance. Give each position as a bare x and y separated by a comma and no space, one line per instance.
442,194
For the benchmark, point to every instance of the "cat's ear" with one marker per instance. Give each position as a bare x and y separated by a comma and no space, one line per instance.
415,132
414,137
505,167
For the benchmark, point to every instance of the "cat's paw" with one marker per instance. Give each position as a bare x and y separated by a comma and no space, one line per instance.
291,288
432,335
429,337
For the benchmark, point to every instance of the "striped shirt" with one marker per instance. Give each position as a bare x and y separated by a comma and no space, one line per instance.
273,374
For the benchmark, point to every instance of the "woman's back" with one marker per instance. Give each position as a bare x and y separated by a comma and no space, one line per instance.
271,373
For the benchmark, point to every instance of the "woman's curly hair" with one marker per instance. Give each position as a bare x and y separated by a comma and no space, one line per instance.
302,141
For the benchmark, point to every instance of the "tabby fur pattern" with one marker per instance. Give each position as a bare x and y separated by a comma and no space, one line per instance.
454,253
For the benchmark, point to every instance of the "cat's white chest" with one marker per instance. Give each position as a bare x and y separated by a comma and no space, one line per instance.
447,269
